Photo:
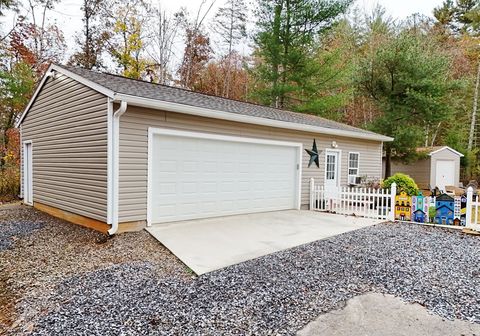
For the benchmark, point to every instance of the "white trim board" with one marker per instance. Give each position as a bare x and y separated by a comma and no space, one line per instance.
30,168
34,97
209,113
348,165
199,135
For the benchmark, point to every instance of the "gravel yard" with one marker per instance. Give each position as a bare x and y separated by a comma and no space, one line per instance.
60,279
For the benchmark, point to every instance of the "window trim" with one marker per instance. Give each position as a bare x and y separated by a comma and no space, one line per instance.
349,167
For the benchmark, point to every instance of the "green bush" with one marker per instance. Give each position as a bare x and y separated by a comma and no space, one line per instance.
404,183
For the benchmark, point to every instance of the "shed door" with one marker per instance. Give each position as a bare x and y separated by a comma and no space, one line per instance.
199,177
445,174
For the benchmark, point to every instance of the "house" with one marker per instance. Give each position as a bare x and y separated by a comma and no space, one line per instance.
116,154
439,168
419,210
460,210
444,206
419,216
403,207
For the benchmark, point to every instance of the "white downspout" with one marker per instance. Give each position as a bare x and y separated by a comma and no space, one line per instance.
116,159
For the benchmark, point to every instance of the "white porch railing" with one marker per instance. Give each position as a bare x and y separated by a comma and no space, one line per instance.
472,216
363,202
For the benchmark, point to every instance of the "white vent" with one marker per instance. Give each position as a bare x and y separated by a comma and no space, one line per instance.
352,179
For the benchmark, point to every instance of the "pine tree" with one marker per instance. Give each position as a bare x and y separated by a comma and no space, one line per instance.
286,31
408,78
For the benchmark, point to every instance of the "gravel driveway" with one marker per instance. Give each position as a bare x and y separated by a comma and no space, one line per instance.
60,279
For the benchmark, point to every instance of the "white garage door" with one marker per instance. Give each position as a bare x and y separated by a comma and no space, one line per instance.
192,175
445,174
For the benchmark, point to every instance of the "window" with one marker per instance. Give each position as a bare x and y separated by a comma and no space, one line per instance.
331,166
353,164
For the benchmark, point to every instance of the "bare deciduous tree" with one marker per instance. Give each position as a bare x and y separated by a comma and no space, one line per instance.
197,45
162,36
230,25
93,37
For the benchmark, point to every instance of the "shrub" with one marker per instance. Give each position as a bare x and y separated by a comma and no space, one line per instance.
10,166
9,183
404,183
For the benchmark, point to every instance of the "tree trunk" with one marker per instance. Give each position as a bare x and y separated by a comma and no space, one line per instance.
276,56
388,162
286,44
473,121
226,88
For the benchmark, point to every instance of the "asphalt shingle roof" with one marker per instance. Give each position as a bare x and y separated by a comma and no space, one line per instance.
128,86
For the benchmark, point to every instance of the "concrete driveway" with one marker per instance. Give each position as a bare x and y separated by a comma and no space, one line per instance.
205,245
375,314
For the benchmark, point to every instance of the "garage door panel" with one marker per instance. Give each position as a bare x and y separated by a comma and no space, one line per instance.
198,178
189,166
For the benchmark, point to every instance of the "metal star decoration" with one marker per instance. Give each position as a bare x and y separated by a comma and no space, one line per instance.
314,155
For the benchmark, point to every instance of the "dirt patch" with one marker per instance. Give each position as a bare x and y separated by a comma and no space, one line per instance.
7,302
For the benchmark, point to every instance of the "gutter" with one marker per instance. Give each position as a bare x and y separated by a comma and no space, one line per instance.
115,164
209,113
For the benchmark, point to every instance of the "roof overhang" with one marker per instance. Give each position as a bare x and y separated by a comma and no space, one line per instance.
198,111
446,148
209,113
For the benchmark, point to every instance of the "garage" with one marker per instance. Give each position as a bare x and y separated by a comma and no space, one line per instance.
198,175
145,153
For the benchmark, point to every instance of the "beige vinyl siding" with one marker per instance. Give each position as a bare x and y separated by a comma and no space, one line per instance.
446,155
419,171
67,125
134,126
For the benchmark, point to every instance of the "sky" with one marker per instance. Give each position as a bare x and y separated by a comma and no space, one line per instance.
68,16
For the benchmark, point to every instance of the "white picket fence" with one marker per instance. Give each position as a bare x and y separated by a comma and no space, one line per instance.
363,202
376,203
472,216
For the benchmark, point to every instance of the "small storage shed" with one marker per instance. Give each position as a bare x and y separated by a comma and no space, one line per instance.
440,168
115,153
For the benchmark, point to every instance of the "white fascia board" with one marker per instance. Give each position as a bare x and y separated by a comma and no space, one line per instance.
97,87
35,94
448,148
209,113
80,79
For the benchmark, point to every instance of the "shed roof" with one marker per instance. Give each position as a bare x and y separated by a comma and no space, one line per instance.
435,149
142,93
